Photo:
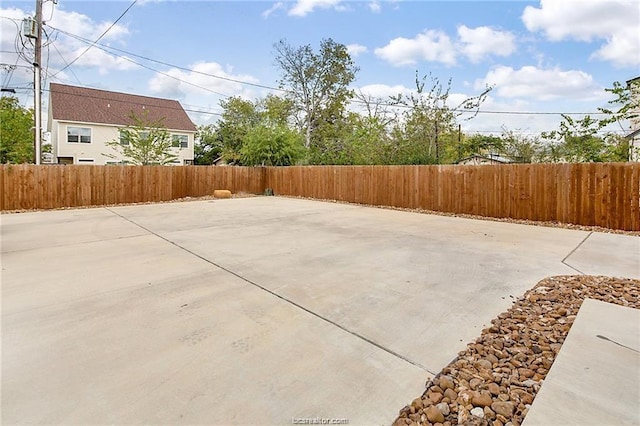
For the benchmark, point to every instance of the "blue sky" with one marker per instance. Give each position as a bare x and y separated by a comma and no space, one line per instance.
541,56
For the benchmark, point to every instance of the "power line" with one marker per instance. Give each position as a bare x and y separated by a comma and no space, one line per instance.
98,39
99,46
110,49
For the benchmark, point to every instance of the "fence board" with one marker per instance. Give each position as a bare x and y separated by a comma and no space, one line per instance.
605,194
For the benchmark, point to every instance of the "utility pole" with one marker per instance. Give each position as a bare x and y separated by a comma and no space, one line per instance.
37,92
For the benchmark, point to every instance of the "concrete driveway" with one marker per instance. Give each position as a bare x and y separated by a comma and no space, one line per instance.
258,310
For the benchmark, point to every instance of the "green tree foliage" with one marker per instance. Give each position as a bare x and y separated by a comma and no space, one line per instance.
625,104
426,118
275,145
239,116
520,148
579,141
259,133
318,83
143,142
16,131
276,110
208,145
481,144
587,139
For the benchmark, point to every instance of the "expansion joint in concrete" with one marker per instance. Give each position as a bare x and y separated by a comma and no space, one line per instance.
564,261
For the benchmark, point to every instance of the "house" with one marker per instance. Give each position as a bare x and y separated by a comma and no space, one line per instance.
634,132
220,161
82,121
477,159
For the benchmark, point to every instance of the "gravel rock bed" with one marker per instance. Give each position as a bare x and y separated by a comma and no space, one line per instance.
495,380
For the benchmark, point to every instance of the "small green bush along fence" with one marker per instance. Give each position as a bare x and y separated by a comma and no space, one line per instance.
600,194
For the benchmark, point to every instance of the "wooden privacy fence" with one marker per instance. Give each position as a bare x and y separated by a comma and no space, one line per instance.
601,194
26,187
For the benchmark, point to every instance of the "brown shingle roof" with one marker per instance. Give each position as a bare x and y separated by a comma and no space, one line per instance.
71,103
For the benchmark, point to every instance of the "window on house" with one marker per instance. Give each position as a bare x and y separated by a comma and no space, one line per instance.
180,141
85,160
78,134
123,138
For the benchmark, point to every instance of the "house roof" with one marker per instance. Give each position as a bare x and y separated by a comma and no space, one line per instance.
80,104
489,157
633,80
633,134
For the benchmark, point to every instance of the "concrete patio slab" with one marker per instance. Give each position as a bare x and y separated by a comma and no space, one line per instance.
595,377
607,254
249,311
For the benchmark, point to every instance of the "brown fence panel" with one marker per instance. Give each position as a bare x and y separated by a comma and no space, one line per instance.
606,194
27,186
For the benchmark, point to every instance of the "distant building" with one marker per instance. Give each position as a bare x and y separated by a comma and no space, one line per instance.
477,159
82,121
634,132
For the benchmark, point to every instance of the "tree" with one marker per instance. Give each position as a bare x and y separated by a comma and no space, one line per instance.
587,138
208,145
580,141
520,148
317,83
481,144
427,117
276,110
16,131
271,146
239,116
143,142
627,100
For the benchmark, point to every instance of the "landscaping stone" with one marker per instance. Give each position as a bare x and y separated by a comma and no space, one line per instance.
434,414
495,380
478,412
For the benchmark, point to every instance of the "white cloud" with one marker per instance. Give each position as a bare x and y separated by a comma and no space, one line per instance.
383,91
83,26
356,49
304,7
430,45
476,43
180,84
622,49
374,6
9,23
65,49
436,46
534,83
276,6
615,21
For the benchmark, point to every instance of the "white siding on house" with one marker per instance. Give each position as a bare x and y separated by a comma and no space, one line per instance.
100,135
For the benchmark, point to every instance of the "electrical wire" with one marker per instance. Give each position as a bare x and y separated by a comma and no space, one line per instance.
98,39
110,50
101,47
65,61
